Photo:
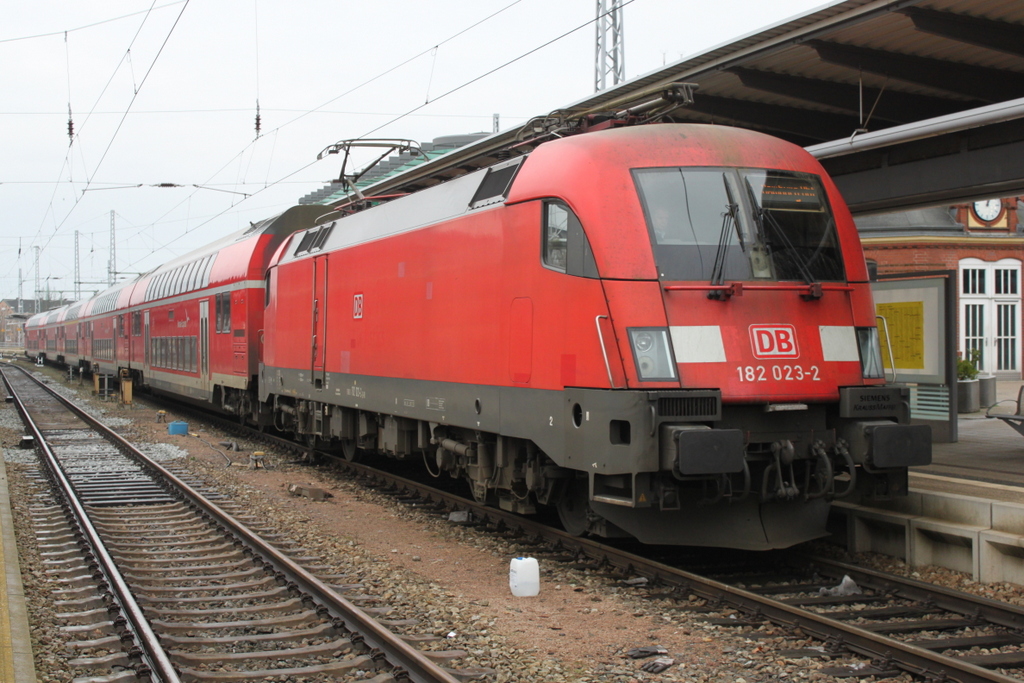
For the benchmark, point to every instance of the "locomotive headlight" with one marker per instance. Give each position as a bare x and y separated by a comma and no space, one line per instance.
652,353
870,353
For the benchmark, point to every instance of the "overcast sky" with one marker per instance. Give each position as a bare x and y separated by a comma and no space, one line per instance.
166,92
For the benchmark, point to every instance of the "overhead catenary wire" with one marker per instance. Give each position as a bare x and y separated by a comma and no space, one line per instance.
67,157
205,220
285,110
498,68
297,118
121,123
320,107
67,163
401,116
92,25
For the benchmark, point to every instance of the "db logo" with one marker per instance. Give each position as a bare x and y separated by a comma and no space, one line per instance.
774,341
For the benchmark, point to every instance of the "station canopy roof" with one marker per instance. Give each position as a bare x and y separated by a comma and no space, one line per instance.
846,71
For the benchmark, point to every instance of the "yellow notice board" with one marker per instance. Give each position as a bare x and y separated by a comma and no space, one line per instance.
905,320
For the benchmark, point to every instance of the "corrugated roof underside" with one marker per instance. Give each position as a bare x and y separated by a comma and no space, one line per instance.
805,83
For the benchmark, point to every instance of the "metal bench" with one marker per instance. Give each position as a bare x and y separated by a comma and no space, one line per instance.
1015,420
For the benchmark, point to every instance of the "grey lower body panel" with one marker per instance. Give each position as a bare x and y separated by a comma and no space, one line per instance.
609,432
512,411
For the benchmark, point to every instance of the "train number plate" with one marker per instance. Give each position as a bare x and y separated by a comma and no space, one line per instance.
778,373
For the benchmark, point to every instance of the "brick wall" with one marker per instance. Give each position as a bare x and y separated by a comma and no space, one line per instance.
900,258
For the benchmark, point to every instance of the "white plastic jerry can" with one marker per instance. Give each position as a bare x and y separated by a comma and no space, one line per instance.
524,577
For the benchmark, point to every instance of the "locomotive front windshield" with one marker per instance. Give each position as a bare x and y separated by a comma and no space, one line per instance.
718,224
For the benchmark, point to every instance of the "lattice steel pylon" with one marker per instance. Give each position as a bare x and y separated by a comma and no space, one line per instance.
78,273
112,262
610,51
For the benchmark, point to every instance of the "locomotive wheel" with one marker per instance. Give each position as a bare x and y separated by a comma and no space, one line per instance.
574,508
349,450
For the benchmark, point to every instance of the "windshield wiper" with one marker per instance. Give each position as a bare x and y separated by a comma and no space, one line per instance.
763,218
724,237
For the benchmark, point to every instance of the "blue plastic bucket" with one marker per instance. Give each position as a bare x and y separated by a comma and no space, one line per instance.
177,428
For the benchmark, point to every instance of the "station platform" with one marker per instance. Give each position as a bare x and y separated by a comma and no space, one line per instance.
16,664
964,512
988,456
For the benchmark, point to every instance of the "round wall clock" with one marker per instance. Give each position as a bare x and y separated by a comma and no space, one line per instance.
988,209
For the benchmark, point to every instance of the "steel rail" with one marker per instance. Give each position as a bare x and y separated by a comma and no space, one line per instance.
153,653
419,668
999,613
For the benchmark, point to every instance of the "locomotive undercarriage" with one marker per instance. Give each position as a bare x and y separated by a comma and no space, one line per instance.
508,472
754,477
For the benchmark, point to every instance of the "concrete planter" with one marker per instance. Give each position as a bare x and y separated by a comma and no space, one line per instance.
968,395
987,390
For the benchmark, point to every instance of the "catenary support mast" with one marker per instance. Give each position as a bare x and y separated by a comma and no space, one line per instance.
610,52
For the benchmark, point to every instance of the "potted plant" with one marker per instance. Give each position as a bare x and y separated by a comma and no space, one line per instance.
968,391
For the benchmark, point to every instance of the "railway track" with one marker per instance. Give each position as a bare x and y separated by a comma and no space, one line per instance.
893,625
160,582
970,630
886,626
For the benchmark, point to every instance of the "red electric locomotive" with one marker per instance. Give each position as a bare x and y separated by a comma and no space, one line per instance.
665,331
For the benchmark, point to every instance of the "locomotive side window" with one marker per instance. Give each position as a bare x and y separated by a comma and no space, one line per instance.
718,224
556,231
564,245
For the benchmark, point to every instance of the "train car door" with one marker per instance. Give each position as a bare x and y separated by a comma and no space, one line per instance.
318,375
145,339
204,345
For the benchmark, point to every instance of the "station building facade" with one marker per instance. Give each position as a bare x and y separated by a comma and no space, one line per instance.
983,243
